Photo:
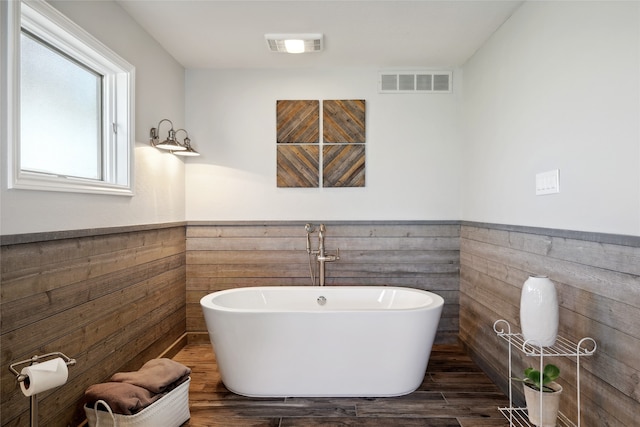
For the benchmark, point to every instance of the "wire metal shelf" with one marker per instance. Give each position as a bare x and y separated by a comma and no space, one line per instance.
518,417
562,347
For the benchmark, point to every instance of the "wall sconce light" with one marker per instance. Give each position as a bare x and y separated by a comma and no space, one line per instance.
188,151
171,144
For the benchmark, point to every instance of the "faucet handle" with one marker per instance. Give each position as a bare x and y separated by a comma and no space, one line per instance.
337,254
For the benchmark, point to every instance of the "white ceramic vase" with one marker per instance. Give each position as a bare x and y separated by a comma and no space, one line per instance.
539,311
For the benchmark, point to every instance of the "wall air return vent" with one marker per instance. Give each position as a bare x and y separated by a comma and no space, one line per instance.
415,82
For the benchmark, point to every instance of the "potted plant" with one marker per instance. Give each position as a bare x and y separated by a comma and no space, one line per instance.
542,389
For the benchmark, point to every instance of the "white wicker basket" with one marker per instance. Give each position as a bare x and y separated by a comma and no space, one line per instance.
171,410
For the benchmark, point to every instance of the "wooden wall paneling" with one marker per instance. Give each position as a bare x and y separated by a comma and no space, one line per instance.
50,273
422,255
109,300
89,320
599,297
343,229
582,283
21,257
113,300
46,301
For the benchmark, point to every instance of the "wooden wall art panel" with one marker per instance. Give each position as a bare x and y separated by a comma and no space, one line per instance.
298,165
298,121
298,132
343,121
343,165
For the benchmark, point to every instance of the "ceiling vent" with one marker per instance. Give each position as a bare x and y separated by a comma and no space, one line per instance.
415,82
283,42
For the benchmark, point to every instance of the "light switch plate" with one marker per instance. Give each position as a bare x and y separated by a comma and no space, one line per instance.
548,182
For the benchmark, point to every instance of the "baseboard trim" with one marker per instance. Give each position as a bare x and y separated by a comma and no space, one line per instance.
183,340
175,347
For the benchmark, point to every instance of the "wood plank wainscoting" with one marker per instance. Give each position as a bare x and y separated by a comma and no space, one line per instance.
598,281
114,298
110,298
417,254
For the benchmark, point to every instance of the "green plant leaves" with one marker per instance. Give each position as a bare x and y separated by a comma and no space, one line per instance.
549,373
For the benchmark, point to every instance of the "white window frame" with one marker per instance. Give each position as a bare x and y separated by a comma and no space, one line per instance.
46,22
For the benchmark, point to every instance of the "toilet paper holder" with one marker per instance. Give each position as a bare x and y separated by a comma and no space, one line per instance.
20,377
35,359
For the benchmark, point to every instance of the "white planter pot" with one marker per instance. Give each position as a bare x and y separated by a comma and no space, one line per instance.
550,405
539,311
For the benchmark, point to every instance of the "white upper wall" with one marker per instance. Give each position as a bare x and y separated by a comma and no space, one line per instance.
412,149
159,178
556,87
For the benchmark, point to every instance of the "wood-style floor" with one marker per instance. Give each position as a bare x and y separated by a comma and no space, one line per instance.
454,393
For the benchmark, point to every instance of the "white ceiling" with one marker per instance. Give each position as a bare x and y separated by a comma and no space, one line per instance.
357,33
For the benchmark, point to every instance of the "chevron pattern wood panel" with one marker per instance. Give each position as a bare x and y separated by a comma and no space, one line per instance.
343,165
298,165
298,121
343,121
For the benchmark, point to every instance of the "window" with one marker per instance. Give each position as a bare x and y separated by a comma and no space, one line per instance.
69,106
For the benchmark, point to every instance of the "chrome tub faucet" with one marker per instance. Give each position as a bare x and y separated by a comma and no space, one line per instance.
321,254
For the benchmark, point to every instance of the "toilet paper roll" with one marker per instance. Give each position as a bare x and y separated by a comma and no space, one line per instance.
44,376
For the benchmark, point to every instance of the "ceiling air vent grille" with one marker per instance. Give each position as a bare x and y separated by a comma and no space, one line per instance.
311,42
415,82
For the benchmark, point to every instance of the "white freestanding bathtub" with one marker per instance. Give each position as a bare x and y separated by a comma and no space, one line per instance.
322,341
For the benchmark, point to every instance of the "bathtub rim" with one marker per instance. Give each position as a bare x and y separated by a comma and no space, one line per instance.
436,302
